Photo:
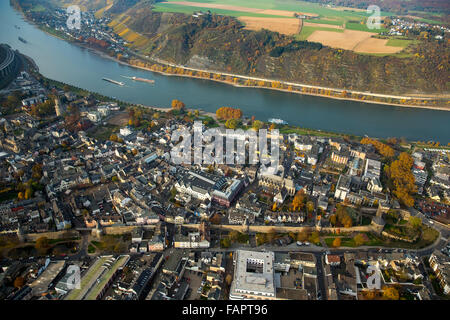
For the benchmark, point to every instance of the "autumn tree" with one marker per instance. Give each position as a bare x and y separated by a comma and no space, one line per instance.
257,125
231,124
337,242
42,244
227,113
359,239
391,293
28,193
215,219
19,282
37,172
415,222
370,294
274,207
401,179
233,235
225,242
333,219
270,236
341,218
314,237
382,148
228,279
299,201
113,137
310,206
177,104
302,236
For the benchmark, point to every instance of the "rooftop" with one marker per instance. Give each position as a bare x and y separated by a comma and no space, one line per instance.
253,273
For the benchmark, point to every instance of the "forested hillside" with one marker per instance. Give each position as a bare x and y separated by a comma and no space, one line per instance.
220,43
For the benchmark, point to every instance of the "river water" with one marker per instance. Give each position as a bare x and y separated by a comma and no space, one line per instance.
69,63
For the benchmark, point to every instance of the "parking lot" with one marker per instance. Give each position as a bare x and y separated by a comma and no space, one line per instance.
194,279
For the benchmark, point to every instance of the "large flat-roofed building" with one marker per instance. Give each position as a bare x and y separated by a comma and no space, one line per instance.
343,187
42,283
253,276
372,169
200,184
226,196
96,280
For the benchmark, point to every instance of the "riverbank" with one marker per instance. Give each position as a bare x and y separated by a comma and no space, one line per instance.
442,108
435,107
297,88
286,129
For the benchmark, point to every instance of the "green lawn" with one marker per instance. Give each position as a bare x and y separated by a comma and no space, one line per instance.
399,42
103,133
55,241
305,131
345,242
8,195
38,8
91,249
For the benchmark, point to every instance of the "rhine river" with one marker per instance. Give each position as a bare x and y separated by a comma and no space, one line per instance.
69,63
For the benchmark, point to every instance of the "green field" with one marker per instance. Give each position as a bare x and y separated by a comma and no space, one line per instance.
351,19
327,15
168,7
362,27
400,42
339,23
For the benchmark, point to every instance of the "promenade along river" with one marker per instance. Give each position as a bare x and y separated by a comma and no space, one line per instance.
72,64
